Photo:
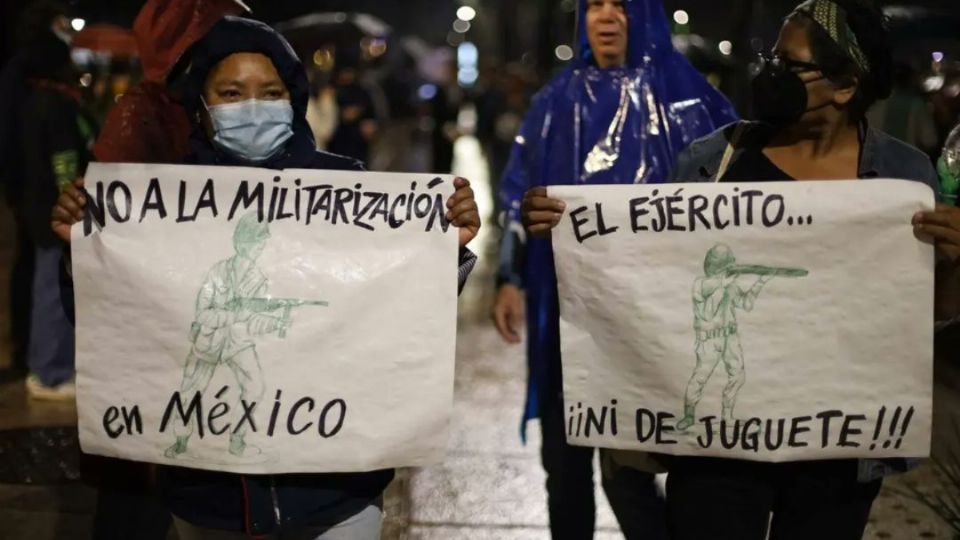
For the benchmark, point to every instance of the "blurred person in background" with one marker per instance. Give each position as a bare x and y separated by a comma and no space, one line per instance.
445,111
322,111
501,104
357,126
906,114
592,125
948,170
946,105
38,19
397,142
54,140
149,124
490,99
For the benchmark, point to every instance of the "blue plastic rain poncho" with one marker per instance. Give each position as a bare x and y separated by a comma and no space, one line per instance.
598,126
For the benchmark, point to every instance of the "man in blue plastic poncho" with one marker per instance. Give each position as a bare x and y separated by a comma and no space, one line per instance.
619,114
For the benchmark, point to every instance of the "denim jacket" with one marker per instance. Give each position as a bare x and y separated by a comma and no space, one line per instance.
882,156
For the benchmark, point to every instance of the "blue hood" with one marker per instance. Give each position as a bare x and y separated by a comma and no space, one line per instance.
235,35
648,33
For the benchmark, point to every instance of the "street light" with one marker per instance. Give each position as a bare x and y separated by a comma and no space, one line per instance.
467,58
467,55
466,13
78,24
564,53
681,17
427,92
726,48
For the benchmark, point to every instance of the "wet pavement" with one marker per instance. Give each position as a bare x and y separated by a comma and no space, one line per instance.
491,486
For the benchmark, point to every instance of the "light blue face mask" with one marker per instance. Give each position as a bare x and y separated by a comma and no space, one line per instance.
254,130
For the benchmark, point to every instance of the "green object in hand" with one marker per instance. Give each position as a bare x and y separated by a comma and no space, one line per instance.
949,182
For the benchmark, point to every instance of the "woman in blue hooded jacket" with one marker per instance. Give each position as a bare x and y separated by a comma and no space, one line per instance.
622,111
247,96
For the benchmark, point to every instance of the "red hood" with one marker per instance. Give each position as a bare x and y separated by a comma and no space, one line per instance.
165,29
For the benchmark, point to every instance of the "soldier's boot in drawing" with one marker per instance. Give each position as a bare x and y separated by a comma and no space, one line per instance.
688,418
177,448
239,447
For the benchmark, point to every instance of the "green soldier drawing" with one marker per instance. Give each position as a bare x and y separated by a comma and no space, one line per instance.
232,311
716,298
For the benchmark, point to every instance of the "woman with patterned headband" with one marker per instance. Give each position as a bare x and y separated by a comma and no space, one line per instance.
830,64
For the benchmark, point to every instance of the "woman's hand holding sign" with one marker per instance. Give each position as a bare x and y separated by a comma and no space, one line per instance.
68,210
541,213
463,212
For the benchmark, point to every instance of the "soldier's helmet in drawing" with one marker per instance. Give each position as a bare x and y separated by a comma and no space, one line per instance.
250,231
719,258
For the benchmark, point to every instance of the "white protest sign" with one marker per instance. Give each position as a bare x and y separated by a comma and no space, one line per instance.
769,321
257,321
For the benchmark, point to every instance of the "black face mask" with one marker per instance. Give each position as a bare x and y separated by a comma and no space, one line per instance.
779,96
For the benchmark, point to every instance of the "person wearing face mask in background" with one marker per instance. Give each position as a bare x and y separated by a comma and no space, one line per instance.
619,114
246,95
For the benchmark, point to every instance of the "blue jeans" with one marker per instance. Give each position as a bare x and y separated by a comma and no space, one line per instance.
50,354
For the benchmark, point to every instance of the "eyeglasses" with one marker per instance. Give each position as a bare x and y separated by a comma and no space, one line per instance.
783,63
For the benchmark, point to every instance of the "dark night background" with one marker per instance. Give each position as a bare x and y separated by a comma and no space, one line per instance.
503,24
